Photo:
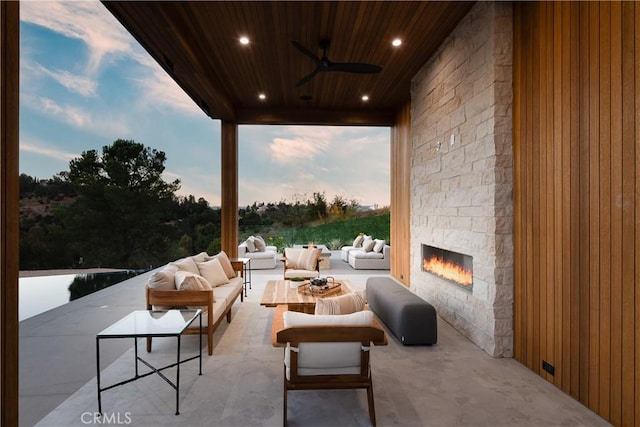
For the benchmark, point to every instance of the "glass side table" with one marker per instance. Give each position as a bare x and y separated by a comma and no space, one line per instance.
151,323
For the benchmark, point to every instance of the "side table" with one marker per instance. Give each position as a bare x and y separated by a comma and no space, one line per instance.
151,323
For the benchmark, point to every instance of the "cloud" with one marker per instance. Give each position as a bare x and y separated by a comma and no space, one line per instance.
87,21
107,41
292,150
84,86
54,153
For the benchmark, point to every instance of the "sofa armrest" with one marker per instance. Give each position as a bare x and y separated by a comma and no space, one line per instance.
177,298
386,252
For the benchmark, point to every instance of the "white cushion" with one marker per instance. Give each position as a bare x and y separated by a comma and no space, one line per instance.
360,254
344,304
213,272
250,242
295,272
260,244
186,264
226,264
164,279
368,245
379,245
292,255
201,257
187,281
326,358
357,242
309,259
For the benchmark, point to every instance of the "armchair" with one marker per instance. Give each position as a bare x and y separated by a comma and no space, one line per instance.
301,262
329,352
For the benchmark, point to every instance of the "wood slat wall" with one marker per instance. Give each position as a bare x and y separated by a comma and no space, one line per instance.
401,195
576,184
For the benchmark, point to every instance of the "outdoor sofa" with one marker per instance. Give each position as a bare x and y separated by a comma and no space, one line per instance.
212,283
262,256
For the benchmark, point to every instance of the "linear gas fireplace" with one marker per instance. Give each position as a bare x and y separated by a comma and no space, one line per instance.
451,266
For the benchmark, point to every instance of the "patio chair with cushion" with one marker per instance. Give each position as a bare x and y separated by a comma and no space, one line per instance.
301,262
328,352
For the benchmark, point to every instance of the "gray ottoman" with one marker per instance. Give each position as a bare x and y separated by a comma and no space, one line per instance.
411,319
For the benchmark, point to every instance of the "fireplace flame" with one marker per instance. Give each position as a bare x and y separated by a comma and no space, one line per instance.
448,270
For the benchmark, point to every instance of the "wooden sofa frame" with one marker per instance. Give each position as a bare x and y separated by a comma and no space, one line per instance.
204,299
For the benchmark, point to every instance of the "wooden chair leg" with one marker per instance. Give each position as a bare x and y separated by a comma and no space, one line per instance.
372,408
210,340
149,345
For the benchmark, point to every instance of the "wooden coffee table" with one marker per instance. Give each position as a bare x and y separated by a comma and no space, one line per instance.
280,292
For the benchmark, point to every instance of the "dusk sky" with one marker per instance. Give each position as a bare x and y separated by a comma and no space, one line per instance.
86,82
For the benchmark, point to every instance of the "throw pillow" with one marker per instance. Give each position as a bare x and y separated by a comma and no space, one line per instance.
186,281
292,257
357,243
186,264
213,272
164,279
201,257
260,244
250,242
368,245
344,304
309,259
379,244
226,264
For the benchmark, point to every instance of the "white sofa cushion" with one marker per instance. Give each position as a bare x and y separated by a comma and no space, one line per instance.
357,242
226,264
379,245
344,304
186,264
164,279
187,281
214,273
360,254
326,358
368,245
260,244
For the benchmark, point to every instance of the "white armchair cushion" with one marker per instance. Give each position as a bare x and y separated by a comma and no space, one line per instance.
326,358
357,242
213,272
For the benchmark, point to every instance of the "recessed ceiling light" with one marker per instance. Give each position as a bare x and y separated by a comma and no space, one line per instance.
262,96
365,98
396,42
244,40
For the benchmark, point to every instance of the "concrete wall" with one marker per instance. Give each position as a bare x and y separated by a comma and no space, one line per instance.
462,192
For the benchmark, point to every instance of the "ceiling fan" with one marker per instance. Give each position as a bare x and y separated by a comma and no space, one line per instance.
323,64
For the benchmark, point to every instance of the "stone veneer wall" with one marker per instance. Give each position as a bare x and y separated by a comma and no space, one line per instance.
462,193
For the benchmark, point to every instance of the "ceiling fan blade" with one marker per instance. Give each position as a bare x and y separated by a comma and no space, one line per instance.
354,67
305,51
308,77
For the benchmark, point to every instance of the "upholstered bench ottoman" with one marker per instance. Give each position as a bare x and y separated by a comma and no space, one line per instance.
411,319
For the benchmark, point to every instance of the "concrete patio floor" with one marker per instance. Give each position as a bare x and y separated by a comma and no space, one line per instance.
452,383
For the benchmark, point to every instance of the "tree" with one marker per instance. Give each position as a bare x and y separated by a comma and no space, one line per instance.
119,217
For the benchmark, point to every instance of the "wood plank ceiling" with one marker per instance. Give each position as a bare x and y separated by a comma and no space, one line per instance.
197,43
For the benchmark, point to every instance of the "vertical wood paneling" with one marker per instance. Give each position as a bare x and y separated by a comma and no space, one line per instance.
576,190
401,195
9,83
